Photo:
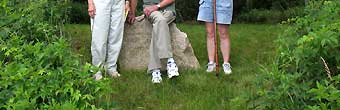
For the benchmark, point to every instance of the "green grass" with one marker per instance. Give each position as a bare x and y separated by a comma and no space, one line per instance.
252,46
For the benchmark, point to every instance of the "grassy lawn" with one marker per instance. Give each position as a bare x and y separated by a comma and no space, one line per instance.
252,46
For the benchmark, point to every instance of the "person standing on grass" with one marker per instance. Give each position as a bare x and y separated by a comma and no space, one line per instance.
224,11
160,13
107,26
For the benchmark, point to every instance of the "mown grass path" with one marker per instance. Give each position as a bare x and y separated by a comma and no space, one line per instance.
252,46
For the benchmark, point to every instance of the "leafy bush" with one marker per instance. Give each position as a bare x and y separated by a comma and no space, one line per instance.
292,13
305,74
78,13
38,69
260,16
269,16
186,10
314,36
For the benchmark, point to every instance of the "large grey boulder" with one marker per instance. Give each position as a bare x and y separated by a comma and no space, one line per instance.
135,50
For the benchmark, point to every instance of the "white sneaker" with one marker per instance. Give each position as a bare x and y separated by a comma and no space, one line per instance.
227,68
211,67
172,70
98,76
114,74
156,77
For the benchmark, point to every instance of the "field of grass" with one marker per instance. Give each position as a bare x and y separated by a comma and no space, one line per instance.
252,47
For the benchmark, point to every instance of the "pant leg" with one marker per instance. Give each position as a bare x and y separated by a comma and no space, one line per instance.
160,46
100,30
115,38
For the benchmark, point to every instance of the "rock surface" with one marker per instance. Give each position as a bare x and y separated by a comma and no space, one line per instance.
135,50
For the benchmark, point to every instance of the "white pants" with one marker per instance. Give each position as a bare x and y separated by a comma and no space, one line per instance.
107,33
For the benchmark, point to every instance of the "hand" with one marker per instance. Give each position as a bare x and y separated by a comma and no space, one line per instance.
131,17
127,6
92,10
148,10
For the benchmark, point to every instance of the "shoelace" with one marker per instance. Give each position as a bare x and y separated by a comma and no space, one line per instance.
171,65
157,74
227,66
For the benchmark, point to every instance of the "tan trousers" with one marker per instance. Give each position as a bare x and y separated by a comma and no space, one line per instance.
160,46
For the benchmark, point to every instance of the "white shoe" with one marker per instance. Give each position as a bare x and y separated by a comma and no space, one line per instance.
156,77
114,74
227,68
172,70
211,67
98,76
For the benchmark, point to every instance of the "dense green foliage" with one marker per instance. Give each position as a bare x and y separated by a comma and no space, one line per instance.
78,13
246,11
248,5
38,69
269,16
187,10
306,74
267,11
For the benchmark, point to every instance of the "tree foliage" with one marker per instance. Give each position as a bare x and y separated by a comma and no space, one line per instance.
187,10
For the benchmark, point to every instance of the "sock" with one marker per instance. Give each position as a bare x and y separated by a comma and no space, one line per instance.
211,62
171,60
226,63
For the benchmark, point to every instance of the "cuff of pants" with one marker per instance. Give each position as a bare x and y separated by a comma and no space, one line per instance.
168,55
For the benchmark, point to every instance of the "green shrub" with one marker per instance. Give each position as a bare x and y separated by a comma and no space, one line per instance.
292,13
78,13
186,10
269,16
38,69
260,16
300,79
313,36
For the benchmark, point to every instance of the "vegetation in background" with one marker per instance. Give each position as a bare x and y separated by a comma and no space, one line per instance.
245,11
38,68
78,13
269,11
306,73
269,16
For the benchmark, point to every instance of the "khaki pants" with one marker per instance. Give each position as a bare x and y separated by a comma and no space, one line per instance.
107,33
160,46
